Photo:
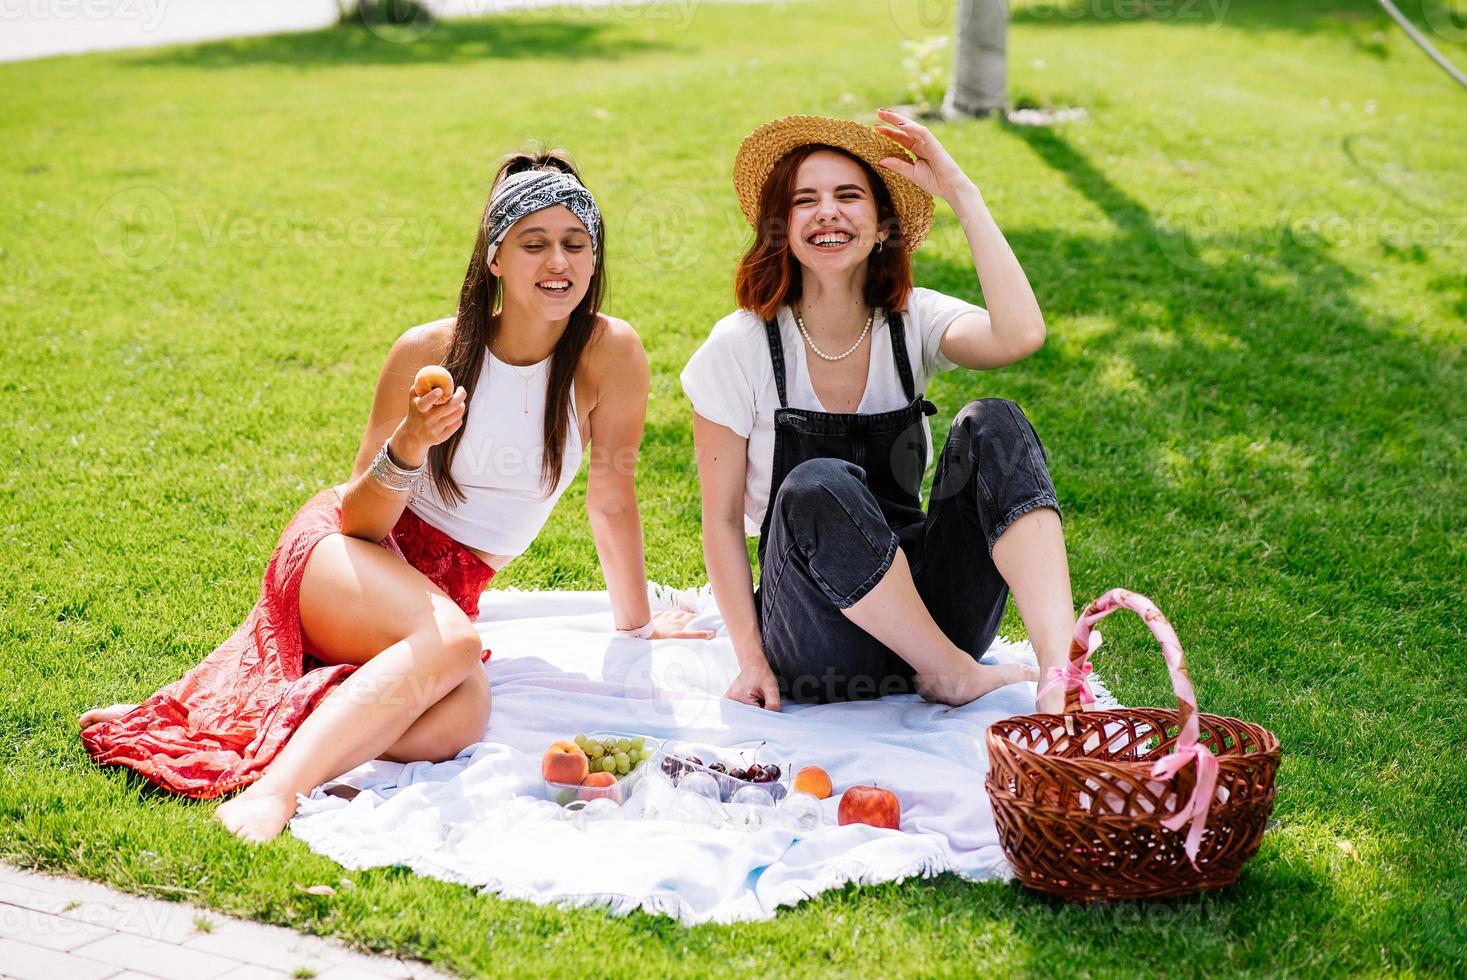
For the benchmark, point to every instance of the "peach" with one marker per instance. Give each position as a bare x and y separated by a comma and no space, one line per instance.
813,780
600,786
430,377
564,762
870,805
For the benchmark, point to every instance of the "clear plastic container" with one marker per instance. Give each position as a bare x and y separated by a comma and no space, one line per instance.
675,759
567,793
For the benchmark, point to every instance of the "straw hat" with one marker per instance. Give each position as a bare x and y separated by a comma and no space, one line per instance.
768,144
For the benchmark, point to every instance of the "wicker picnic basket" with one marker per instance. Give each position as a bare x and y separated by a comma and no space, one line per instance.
1129,803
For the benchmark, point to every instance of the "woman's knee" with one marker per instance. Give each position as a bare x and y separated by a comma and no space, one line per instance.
828,500
996,429
819,491
992,417
454,635
813,482
827,515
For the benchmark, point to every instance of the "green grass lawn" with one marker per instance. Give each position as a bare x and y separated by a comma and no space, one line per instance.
1251,260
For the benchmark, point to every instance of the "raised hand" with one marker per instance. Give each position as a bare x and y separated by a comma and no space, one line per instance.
935,170
431,419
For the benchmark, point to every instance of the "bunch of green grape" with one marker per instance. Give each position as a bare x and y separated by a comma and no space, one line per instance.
617,756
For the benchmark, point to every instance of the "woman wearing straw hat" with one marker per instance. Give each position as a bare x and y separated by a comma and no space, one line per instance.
811,430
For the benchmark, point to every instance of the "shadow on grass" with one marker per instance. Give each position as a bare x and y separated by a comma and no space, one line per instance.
1261,322
1358,148
1228,376
448,43
1226,379
1356,19
1048,934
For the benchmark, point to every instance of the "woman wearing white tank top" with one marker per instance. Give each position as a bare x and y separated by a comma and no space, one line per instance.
386,568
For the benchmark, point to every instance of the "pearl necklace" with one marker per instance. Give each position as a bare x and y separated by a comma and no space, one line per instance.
799,322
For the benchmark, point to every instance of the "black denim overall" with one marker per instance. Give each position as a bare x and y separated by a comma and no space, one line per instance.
846,493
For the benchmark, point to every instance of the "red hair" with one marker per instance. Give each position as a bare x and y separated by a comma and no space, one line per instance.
769,275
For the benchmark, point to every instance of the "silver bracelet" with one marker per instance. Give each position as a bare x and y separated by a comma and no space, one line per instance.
394,477
640,633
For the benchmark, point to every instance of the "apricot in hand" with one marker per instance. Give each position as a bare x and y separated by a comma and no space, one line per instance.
430,377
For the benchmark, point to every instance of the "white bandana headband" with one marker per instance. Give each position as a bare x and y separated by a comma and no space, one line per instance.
529,191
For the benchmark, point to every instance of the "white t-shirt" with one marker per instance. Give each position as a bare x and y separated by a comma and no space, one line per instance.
730,379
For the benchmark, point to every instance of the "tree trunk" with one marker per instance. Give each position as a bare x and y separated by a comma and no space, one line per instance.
980,61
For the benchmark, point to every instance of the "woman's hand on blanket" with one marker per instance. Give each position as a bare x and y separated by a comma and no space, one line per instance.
756,685
672,624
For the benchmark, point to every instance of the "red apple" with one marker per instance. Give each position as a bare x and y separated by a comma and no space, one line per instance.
600,786
564,762
870,805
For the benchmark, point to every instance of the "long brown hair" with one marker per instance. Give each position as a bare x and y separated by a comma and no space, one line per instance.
477,325
769,275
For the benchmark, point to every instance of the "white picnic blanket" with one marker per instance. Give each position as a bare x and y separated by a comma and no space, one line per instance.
556,670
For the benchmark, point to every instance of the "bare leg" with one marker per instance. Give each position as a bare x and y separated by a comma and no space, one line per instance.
1030,555
356,723
455,722
894,613
98,715
356,595
429,739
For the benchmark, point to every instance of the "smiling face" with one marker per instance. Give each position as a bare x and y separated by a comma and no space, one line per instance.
545,265
834,221
821,212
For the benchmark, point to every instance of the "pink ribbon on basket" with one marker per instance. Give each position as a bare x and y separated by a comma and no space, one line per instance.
1075,674
1188,749
1203,789
1072,675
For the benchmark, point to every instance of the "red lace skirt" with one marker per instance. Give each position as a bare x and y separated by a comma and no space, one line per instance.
218,727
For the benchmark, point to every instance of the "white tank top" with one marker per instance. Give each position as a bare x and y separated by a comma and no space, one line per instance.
497,462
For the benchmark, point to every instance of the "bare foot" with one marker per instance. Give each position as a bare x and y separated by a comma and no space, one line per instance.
98,715
973,682
256,815
1053,703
